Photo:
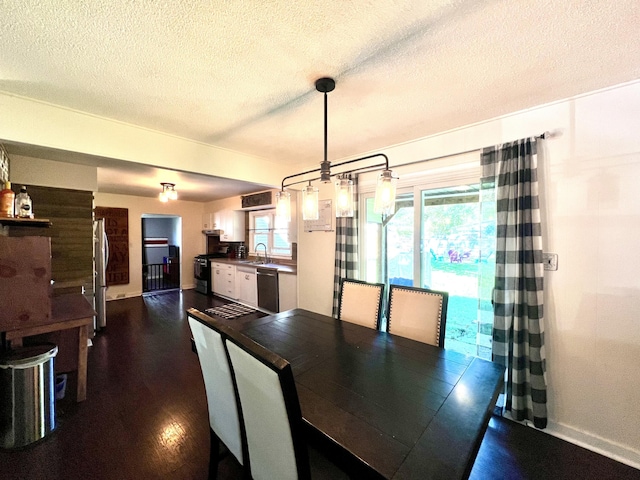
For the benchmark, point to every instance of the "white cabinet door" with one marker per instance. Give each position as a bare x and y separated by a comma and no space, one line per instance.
209,221
218,273
287,291
231,222
246,285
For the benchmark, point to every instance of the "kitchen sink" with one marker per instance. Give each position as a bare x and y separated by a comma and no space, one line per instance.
253,262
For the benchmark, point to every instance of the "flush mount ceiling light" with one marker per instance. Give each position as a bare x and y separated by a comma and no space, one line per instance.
168,192
385,188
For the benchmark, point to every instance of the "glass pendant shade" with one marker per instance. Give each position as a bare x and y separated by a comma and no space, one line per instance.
385,200
283,205
344,198
168,192
310,203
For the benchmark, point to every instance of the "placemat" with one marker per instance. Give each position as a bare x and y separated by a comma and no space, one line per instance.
230,310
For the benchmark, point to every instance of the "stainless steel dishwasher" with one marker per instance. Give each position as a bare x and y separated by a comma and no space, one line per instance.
267,288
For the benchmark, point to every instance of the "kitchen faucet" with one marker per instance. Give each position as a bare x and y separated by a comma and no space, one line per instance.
265,252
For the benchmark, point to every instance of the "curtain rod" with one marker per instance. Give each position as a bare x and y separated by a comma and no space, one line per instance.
543,136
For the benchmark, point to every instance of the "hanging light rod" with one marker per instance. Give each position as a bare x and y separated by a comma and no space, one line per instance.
376,166
385,189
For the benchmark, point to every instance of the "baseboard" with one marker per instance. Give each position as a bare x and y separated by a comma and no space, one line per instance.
594,443
582,439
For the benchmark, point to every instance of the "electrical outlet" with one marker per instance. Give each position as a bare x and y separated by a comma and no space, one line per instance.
550,261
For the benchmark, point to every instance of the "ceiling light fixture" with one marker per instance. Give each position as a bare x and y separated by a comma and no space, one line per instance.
385,188
168,192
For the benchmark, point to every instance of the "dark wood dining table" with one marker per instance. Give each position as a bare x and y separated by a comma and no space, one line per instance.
403,408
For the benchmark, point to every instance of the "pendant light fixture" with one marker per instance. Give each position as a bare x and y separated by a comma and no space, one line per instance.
283,205
385,201
168,192
385,188
344,196
310,210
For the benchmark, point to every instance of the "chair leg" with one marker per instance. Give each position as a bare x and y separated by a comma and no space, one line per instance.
214,455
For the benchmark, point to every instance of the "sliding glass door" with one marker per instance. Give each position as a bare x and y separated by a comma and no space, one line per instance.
444,244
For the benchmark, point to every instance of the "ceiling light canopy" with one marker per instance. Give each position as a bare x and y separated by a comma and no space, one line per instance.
168,192
385,188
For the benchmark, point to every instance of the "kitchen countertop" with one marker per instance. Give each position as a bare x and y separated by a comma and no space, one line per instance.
280,267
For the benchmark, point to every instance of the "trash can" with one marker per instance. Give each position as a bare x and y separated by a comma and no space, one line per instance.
27,395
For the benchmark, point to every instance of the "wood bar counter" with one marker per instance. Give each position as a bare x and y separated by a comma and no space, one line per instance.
67,312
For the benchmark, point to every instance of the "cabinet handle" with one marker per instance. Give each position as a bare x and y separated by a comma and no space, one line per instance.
246,277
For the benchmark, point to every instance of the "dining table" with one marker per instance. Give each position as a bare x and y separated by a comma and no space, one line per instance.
401,408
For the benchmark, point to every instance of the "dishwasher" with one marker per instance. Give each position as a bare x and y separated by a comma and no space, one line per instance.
267,289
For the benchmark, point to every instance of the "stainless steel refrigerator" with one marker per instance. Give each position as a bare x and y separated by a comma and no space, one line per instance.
101,259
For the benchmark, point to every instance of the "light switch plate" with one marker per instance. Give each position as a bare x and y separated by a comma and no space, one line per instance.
550,261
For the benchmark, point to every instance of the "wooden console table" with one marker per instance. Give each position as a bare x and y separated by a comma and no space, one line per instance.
67,312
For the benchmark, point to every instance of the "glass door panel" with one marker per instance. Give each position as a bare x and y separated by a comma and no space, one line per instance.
400,238
456,257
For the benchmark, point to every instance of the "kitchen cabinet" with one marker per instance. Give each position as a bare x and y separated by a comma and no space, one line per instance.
287,291
209,221
223,279
246,285
231,222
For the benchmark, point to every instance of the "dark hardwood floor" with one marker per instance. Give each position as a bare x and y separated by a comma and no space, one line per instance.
145,416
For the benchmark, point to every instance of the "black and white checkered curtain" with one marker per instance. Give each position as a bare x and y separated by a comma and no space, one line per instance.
510,172
346,260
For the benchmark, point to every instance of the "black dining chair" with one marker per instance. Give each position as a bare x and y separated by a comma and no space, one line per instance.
361,302
418,313
224,415
276,442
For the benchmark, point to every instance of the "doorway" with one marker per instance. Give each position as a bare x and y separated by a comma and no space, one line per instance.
161,252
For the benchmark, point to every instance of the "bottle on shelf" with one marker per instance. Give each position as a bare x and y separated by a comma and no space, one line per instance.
6,201
23,205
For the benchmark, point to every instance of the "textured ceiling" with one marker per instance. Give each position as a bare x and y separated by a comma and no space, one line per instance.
240,74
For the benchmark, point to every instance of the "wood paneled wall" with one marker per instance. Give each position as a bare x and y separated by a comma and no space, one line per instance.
71,232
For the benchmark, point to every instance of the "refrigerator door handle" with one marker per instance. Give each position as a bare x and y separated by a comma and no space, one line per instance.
106,248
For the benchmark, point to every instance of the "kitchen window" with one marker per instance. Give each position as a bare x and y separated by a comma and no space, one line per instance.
265,227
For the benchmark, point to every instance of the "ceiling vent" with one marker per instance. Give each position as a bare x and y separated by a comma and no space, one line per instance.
258,201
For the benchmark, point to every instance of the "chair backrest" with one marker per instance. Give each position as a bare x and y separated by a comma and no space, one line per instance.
224,416
270,409
361,302
418,313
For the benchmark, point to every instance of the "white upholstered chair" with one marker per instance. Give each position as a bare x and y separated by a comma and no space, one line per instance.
277,447
418,313
361,302
224,420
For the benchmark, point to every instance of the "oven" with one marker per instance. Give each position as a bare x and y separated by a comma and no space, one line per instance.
202,274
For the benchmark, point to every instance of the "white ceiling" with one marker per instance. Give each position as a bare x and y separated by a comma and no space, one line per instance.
240,74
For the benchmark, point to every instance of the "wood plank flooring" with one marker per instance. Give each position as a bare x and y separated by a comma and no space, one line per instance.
145,416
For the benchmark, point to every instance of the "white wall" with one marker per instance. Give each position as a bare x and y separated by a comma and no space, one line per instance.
47,173
37,123
192,244
591,176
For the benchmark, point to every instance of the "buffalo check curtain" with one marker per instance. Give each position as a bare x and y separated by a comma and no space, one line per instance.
346,259
510,182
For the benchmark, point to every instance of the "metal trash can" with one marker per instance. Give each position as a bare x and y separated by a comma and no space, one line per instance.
27,395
